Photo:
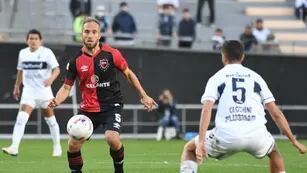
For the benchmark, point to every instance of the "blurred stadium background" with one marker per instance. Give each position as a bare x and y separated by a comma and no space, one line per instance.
185,72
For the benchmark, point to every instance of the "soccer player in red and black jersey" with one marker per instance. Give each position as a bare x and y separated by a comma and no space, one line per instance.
96,67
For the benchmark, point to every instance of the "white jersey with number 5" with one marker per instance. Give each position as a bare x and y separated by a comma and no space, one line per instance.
242,94
36,68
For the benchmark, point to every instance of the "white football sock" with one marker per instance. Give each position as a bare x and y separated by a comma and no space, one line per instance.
188,166
159,133
282,172
19,128
54,130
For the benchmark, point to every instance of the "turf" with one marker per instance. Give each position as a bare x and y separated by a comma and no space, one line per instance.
142,156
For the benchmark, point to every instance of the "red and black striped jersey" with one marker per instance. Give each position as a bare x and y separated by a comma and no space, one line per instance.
98,82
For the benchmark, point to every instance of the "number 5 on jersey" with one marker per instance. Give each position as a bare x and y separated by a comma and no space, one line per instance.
236,88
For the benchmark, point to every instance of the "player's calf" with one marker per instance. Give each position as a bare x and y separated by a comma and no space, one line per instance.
188,158
116,150
75,161
276,161
118,159
74,155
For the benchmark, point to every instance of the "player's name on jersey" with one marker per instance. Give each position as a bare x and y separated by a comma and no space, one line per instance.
240,117
240,109
238,75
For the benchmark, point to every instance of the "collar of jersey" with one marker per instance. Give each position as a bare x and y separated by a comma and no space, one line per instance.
94,55
233,65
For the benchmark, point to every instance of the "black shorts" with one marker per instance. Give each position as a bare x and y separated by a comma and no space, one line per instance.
110,119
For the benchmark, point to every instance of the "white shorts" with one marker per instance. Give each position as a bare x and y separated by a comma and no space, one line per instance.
34,103
257,145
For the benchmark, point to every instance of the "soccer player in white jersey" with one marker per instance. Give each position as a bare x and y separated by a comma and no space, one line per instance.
240,118
37,69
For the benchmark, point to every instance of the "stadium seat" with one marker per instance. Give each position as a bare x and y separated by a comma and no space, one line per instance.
269,11
284,24
290,36
289,49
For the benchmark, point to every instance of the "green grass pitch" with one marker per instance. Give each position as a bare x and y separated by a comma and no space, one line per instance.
141,156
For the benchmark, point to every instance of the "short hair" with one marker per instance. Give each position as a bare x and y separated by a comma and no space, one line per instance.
91,19
34,31
185,10
233,50
248,27
259,20
123,4
218,30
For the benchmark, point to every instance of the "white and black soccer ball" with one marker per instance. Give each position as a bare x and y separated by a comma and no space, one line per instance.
79,126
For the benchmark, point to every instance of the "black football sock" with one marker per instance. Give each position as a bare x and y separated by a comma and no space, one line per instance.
75,162
118,159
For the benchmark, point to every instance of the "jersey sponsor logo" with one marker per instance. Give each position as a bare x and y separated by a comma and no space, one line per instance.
84,68
34,65
95,83
104,64
98,85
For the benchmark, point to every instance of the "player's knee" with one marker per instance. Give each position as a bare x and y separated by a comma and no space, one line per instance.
275,153
113,140
190,146
74,146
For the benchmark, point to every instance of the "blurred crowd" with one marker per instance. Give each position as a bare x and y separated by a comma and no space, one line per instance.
123,28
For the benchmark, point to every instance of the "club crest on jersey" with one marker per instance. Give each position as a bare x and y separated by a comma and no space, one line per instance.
104,64
94,79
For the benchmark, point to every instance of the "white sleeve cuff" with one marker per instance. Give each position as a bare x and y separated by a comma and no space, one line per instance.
207,98
268,100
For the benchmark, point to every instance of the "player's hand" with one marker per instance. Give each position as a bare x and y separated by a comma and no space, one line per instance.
53,103
301,147
148,102
200,152
16,93
48,82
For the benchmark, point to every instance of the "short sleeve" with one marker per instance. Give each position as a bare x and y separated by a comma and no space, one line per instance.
19,63
265,92
52,61
211,91
119,61
71,72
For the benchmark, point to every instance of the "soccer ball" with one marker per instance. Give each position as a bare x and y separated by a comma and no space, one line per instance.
79,126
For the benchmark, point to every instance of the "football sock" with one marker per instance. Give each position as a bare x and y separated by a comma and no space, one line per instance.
19,128
282,172
188,166
54,130
159,133
75,161
118,159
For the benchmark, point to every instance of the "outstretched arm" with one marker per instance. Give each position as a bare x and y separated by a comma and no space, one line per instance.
203,127
280,120
147,101
60,96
